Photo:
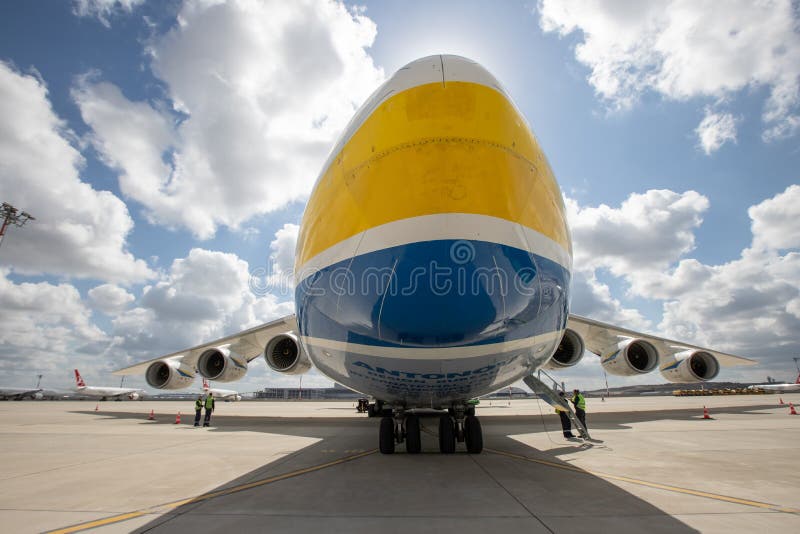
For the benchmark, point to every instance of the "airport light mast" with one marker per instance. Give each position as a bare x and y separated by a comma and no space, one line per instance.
10,216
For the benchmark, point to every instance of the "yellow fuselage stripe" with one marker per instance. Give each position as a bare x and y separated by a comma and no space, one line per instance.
455,148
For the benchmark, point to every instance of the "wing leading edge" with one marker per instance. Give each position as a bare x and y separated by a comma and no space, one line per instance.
598,336
248,343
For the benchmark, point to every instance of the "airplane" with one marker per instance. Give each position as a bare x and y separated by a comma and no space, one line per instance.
21,393
36,393
778,387
433,266
222,394
105,392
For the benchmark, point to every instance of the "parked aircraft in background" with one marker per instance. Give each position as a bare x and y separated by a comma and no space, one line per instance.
433,266
105,392
20,393
37,393
778,387
224,394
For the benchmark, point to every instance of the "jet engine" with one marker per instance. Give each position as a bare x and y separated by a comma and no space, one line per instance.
568,353
285,355
691,366
169,374
629,358
222,365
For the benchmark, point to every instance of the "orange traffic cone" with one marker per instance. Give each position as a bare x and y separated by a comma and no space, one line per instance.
152,416
97,407
178,418
792,411
705,413
781,401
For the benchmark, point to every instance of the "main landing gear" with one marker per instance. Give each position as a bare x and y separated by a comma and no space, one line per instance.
458,424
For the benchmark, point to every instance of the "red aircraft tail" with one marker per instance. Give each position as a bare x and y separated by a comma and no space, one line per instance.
79,380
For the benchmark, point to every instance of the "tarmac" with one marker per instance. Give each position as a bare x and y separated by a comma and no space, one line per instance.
654,464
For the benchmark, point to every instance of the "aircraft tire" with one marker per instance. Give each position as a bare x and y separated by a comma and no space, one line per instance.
386,438
473,435
413,435
447,435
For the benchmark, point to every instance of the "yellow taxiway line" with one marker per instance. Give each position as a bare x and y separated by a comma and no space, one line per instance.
675,489
163,508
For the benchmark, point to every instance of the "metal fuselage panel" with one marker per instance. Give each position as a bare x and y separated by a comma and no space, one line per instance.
434,258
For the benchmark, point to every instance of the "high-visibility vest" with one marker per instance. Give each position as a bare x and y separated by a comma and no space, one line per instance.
209,403
579,401
198,405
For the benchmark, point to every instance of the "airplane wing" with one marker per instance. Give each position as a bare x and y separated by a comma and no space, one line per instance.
599,336
249,343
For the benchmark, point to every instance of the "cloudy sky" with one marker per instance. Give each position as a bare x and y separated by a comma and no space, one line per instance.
167,150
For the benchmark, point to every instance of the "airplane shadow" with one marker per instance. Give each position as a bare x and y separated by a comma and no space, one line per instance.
429,492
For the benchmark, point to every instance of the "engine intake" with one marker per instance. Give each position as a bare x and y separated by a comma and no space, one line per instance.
691,366
569,351
222,365
630,357
285,355
169,374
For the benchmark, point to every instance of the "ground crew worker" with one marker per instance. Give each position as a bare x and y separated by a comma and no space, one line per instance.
566,426
198,410
209,408
580,406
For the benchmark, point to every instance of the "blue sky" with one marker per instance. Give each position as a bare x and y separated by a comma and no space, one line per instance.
167,149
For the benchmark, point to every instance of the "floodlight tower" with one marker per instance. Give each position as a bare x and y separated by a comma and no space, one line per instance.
10,216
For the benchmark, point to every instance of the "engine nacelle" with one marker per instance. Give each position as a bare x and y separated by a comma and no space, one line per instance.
691,366
222,365
629,358
169,374
284,354
569,351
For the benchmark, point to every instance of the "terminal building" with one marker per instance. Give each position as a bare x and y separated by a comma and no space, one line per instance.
337,392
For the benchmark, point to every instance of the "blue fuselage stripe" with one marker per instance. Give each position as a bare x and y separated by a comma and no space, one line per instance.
443,293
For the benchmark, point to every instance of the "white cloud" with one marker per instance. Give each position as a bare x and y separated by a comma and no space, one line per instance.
648,231
202,297
110,298
103,10
749,306
46,329
283,246
259,91
776,221
591,298
683,49
78,230
715,130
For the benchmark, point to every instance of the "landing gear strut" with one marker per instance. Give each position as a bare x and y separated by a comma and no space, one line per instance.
466,429
458,425
399,428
